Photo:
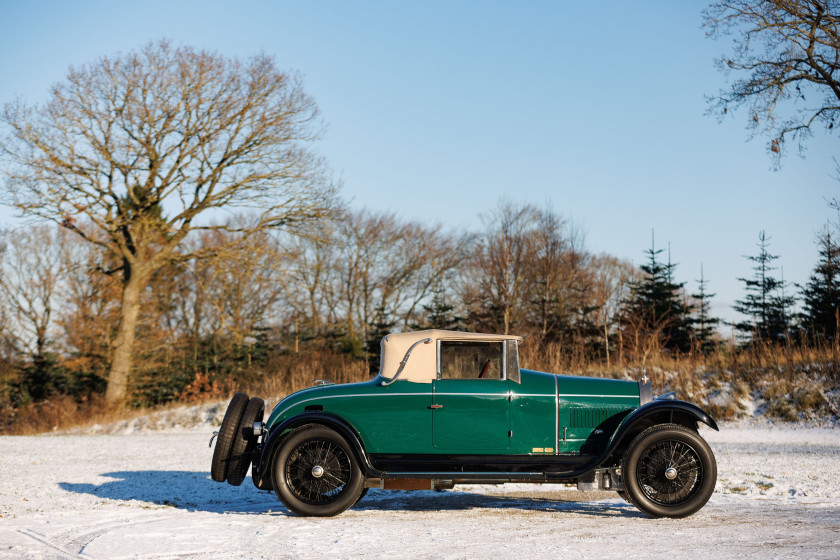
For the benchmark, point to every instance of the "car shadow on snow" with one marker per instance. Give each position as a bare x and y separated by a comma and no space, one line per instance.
195,491
188,490
463,499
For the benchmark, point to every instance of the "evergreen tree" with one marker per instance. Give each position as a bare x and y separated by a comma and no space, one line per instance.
765,303
42,378
705,325
439,313
822,293
657,306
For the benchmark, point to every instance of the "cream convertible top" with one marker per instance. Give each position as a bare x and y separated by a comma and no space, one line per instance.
421,366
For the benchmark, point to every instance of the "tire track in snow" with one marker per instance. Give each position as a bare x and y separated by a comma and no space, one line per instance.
46,542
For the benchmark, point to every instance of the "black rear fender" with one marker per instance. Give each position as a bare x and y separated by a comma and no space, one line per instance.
279,432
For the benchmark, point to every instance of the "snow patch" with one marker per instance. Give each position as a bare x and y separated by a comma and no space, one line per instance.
148,494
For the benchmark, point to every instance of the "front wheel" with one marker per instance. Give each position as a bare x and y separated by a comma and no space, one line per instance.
669,471
315,472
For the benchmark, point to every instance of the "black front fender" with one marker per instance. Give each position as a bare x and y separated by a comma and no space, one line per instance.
661,411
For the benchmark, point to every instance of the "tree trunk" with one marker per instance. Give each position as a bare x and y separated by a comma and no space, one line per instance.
123,344
620,345
607,343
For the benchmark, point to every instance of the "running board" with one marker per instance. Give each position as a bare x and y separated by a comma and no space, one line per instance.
595,479
464,475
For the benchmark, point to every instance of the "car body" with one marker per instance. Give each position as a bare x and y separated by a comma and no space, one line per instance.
456,408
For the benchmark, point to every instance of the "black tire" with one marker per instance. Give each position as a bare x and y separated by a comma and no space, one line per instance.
300,488
244,442
221,454
626,497
362,495
678,493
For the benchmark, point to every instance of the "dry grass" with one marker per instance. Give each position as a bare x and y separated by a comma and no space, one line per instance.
293,372
58,413
285,374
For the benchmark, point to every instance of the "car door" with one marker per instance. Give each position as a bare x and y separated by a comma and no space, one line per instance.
471,401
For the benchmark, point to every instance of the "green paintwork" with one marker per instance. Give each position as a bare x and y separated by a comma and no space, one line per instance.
475,416
532,414
582,399
393,417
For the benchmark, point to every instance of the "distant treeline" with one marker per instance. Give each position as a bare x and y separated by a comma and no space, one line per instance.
335,289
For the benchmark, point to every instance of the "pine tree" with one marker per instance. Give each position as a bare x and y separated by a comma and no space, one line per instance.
705,325
821,295
765,303
656,304
439,313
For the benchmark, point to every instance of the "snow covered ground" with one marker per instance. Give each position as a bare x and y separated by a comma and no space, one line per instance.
137,492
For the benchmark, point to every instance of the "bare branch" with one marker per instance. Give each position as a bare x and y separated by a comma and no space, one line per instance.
786,54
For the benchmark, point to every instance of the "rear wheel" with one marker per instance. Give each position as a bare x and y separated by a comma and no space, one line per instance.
362,495
669,471
244,442
221,454
316,473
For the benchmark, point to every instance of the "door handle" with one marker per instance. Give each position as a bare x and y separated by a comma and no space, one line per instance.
436,406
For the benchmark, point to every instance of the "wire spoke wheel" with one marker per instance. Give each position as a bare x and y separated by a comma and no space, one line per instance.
315,472
318,471
669,472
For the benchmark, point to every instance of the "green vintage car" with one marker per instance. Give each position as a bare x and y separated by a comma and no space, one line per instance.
455,408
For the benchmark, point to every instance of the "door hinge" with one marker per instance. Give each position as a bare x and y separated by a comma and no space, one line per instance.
436,406
510,433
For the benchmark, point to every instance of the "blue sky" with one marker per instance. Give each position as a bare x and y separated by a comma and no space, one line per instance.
436,110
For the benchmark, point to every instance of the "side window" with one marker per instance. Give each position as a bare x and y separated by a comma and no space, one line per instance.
512,357
471,360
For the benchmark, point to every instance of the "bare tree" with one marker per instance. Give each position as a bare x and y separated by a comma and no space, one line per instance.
33,265
611,287
787,53
497,272
242,284
309,285
148,146
557,271
386,268
421,259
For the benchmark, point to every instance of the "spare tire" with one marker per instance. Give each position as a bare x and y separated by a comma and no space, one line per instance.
244,442
221,454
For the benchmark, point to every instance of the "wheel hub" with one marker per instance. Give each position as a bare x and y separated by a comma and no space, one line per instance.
317,471
669,472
